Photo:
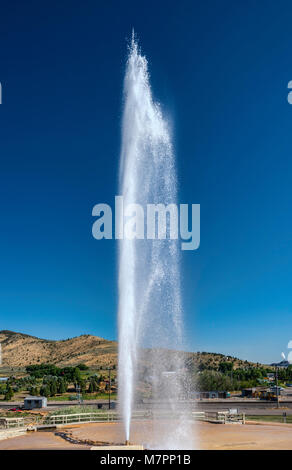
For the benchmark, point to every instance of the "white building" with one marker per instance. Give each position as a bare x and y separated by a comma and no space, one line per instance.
35,402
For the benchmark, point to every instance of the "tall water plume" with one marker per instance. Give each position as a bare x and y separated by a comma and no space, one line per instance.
150,319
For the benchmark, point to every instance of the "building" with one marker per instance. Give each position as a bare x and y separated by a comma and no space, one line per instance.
213,394
248,392
275,389
34,402
264,393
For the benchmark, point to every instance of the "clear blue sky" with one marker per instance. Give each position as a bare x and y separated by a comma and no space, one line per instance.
221,71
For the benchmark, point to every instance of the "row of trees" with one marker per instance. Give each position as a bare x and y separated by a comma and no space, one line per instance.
69,373
51,386
58,385
210,380
49,380
225,377
228,379
14,385
285,373
7,391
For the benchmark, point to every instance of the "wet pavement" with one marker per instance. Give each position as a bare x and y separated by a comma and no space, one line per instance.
202,435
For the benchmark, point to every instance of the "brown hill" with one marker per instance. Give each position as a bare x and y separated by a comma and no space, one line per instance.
20,350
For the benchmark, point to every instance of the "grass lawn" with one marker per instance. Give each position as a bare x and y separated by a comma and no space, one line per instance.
98,396
15,414
79,409
85,396
270,418
61,398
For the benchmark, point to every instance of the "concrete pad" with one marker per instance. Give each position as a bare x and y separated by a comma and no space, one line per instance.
129,447
9,433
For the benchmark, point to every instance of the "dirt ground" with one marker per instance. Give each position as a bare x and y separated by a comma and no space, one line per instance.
204,436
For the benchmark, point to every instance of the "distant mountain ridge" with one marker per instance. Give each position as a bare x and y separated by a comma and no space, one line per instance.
281,364
21,350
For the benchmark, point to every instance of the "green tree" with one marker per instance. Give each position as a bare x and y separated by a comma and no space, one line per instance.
45,391
53,388
208,381
225,367
77,375
8,393
82,367
34,391
61,386
82,384
93,385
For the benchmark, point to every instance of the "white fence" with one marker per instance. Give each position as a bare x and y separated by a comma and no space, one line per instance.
81,418
110,416
223,417
9,423
216,417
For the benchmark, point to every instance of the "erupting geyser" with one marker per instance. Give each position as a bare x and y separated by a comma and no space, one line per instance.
150,319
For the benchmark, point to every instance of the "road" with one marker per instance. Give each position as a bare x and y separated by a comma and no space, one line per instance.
57,404
247,406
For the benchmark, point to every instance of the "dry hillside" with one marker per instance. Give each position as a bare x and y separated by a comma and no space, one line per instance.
20,350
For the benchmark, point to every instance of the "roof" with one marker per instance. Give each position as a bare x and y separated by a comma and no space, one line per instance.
35,398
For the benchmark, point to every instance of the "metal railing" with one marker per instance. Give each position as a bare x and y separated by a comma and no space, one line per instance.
10,423
219,416
81,418
93,417
111,416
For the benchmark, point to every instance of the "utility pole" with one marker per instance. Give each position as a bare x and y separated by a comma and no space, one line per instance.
277,389
109,394
78,388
